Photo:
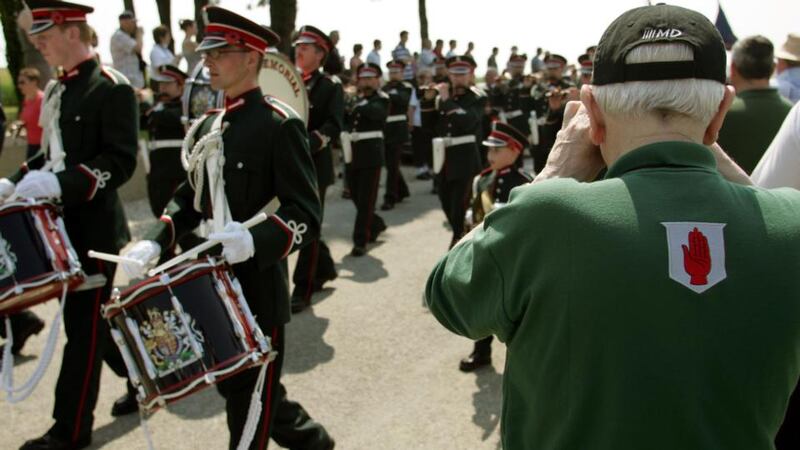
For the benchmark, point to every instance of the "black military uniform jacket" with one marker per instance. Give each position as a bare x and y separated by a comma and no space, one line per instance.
164,123
458,116
519,99
428,112
99,124
490,188
266,156
325,122
399,93
369,114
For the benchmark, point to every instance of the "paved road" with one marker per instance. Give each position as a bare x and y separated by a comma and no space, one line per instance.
368,360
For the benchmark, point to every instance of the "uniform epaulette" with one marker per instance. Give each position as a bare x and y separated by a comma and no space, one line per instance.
478,91
485,171
408,85
283,109
525,174
114,75
382,94
333,78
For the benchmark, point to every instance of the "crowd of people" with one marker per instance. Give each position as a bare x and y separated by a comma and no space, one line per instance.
604,221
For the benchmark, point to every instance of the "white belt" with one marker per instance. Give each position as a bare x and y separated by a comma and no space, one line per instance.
360,136
397,118
453,141
514,114
165,143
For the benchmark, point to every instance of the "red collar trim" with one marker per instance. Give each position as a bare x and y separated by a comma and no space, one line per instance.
232,104
74,72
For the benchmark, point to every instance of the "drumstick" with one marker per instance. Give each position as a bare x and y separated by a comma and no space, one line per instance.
110,257
192,253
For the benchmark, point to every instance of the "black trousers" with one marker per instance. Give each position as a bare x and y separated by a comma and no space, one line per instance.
454,197
88,344
18,320
283,420
422,146
396,187
483,346
789,432
364,191
314,263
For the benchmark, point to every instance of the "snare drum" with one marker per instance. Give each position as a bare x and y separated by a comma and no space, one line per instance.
185,330
198,96
36,257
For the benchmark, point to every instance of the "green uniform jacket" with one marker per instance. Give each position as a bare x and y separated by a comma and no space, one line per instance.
325,122
750,125
369,114
460,115
99,124
399,93
605,350
266,156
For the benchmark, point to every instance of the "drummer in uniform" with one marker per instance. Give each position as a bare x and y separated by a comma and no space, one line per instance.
519,102
490,190
396,133
266,157
549,119
326,118
366,123
90,133
166,131
461,106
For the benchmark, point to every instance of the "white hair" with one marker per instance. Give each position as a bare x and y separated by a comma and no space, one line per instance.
693,98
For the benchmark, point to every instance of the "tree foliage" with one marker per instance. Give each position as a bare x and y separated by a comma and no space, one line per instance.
14,56
282,14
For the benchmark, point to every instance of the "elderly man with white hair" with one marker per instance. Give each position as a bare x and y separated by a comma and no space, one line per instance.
656,308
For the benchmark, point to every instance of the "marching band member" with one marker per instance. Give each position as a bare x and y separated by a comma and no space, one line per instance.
326,119
253,151
397,134
90,122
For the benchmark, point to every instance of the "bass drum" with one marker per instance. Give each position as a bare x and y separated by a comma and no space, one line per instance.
198,97
279,78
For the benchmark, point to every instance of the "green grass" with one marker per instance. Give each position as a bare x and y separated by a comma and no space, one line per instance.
7,94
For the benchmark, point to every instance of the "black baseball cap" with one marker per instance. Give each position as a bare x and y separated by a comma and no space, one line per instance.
659,24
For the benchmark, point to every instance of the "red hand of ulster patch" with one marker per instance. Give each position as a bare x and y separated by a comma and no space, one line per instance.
697,258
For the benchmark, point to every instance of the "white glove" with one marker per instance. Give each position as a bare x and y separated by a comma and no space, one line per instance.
6,189
237,242
141,253
38,184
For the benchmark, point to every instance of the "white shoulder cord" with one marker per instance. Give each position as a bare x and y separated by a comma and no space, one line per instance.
254,411
195,160
48,120
18,394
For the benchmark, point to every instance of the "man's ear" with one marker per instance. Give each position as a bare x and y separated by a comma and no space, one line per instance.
712,131
597,132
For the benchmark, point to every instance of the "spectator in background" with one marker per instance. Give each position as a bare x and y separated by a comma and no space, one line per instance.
161,55
126,46
356,61
94,42
426,57
30,56
452,51
492,62
537,65
374,56
401,53
28,84
470,49
789,68
439,48
334,63
189,45
780,165
758,111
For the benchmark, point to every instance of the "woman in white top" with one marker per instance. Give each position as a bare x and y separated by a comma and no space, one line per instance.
189,45
780,165
161,54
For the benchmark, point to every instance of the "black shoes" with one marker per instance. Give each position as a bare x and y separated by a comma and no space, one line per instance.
299,304
474,361
358,250
387,206
21,334
50,442
125,405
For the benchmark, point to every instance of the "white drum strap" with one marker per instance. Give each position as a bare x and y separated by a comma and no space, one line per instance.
146,430
18,394
48,120
254,412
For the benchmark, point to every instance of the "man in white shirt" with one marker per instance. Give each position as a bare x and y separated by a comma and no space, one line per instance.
374,56
161,55
126,43
401,53
452,51
780,165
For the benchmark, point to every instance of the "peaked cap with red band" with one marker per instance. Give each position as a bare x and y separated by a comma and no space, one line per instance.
368,70
48,13
227,28
168,70
504,135
460,64
313,35
396,64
